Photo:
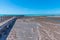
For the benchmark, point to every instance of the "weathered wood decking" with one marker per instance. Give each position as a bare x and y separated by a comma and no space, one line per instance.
23,31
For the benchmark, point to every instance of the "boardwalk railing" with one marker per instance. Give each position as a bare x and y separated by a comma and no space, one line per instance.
7,24
3,18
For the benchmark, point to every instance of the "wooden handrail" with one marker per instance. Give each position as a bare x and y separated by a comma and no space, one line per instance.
6,24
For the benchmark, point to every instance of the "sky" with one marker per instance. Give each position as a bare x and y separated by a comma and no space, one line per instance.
19,7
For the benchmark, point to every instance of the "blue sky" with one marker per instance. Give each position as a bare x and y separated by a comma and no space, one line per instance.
30,7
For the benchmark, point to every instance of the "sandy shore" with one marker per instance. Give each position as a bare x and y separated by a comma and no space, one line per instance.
49,29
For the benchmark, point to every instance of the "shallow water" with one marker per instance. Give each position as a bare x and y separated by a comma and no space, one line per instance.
53,19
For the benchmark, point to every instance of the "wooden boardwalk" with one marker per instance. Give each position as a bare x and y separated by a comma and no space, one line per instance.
23,31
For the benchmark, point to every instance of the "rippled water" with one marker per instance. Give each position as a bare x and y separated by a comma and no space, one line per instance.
53,19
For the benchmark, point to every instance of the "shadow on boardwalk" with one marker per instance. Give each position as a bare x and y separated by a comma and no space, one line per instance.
6,33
